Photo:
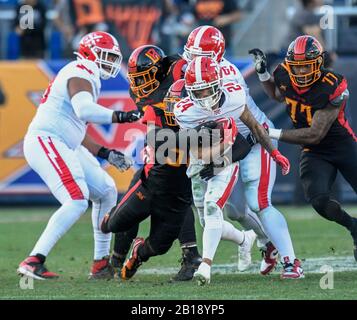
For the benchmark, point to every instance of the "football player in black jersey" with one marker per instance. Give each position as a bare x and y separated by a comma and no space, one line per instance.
151,73
315,101
163,190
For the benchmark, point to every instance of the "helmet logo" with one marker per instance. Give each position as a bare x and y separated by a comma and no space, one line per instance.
153,55
91,39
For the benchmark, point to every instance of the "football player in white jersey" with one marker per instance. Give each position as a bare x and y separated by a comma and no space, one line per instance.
257,171
211,99
57,148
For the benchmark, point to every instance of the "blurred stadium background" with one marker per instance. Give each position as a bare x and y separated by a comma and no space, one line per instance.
30,59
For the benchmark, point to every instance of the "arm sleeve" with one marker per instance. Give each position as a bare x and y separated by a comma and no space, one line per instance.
89,111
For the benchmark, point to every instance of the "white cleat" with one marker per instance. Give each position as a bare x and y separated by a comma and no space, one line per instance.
244,250
203,274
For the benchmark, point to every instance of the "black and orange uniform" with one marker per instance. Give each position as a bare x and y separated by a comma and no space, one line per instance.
171,69
162,191
337,151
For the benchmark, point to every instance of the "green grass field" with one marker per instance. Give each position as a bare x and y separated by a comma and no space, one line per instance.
317,242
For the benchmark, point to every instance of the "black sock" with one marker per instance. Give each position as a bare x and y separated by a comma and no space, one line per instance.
193,250
41,257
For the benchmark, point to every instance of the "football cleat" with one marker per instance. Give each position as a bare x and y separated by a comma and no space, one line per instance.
354,236
292,270
33,268
244,250
101,269
269,262
203,274
189,264
117,264
133,263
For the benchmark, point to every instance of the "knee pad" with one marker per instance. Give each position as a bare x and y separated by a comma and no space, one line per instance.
213,215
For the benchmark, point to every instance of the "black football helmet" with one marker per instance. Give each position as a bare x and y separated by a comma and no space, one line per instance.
145,70
176,92
304,60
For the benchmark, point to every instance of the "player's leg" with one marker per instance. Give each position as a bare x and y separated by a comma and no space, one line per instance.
60,169
133,208
219,189
237,210
123,240
167,217
103,193
347,164
191,258
259,177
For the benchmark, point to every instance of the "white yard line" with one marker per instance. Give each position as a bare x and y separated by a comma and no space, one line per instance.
311,265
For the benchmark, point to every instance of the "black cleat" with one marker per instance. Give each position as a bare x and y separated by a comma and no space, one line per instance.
117,264
189,264
134,262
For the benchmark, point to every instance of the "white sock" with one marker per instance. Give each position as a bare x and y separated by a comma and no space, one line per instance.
229,232
212,231
211,238
101,240
60,222
277,229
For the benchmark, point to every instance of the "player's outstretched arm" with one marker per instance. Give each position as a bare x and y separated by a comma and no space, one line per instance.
320,125
267,80
81,94
263,137
114,157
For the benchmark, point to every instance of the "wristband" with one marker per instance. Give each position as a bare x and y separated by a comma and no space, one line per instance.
275,133
103,153
264,76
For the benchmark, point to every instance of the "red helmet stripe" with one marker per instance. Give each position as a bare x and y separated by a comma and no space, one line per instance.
299,48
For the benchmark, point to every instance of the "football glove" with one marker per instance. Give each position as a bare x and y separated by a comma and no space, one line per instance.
130,116
115,158
282,161
260,60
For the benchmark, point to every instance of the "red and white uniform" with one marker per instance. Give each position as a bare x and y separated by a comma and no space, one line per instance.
189,114
257,169
52,145
55,114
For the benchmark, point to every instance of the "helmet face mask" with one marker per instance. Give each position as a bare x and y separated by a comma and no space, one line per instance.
109,63
143,83
304,61
175,93
207,96
145,70
103,49
203,78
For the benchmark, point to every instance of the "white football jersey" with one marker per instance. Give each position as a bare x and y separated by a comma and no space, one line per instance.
189,114
55,114
232,74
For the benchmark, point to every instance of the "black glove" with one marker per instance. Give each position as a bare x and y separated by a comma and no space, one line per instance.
260,60
206,125
211,170
115,158
129,116
252,140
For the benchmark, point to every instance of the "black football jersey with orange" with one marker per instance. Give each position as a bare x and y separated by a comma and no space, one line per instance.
167,175
173,68
302,104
